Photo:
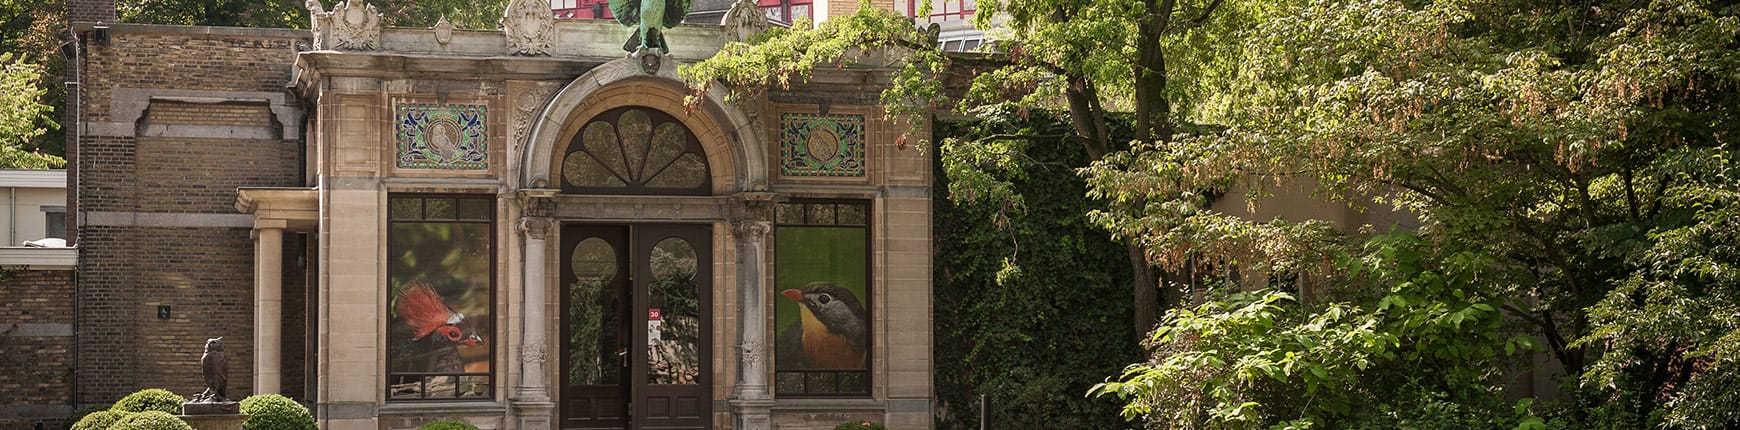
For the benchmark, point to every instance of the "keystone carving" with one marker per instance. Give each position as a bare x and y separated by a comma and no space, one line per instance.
529,26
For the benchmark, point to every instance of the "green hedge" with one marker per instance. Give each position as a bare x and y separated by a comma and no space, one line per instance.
276,412
151,399
447,425
97,420
150,420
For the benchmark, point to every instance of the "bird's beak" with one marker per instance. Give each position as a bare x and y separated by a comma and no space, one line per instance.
793,294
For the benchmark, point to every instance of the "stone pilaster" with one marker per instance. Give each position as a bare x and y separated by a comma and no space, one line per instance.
268,304
531,402
751,400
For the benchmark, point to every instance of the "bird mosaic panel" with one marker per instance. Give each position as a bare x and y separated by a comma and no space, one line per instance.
441,136
440,295
827,145
821,311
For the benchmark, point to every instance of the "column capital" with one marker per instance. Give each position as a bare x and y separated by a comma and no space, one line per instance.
755,205
753,230
537,202
534,227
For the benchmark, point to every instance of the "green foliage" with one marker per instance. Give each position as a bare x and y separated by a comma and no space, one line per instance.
1030,309
150,420
150,399
80,413
22,115
95,420
228,13
447,425
862,425
275,412
780,56
32,31
1424,351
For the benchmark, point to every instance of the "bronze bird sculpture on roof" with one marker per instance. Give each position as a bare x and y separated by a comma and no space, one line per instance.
652,17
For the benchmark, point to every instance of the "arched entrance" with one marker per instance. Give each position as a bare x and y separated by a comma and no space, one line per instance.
635,298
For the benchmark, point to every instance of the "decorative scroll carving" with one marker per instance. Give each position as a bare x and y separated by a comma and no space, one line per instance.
533,353
753,230
526,110
530,27
753,353
744,20
443,31
346,26
535,228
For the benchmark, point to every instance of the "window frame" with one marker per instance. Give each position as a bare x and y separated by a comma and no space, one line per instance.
490,223
870,310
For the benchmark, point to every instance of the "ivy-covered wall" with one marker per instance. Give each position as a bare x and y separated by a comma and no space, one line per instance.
1032,335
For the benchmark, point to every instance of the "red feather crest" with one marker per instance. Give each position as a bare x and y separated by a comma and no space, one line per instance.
423,309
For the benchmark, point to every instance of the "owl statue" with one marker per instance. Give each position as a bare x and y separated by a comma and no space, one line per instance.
216,367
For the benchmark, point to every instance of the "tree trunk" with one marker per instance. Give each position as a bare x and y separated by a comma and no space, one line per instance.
1152,125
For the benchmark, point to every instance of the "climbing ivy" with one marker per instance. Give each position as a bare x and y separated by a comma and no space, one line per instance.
1032,300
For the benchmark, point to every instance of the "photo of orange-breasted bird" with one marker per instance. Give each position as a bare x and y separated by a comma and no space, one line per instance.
830,333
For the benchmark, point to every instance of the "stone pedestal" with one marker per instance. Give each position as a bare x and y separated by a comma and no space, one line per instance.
230,421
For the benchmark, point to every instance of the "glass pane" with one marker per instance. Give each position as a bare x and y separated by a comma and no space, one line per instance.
689,171
593,319
820,276
441,209
583,171
636,129
439,333
474,209
821,382
800,11
669,142
410,209
600,140
822,214
789,213
852,214
854,382
674,317
788,382
593,258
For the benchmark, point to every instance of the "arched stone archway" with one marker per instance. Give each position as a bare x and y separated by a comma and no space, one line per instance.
735,147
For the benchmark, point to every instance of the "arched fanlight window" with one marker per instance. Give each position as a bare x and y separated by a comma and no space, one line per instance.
635,150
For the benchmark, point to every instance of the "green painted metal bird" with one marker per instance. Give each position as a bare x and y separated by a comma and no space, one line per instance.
652,17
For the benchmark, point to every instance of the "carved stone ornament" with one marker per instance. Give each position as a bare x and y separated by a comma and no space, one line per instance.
752,353
753,230
443,31
744,20
649,59
532,353
526,110
535,228
346,26
529,26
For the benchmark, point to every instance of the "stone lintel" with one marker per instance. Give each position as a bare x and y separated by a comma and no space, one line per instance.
296,209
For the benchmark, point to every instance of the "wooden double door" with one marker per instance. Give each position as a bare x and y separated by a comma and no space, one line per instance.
635,329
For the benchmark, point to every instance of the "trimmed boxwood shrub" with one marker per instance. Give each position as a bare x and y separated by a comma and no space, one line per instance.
863,425
80,413
275,412
447,425
150,420
151,399
97,420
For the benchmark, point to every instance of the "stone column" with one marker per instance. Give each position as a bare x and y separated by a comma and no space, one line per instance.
751,401
268,303
531,398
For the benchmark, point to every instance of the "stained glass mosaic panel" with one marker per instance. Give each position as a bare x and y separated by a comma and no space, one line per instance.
821,145
437,136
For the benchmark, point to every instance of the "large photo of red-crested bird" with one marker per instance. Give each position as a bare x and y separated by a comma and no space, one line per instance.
429,336
831,330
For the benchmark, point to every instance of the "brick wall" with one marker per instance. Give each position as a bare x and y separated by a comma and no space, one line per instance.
36,316
90,10
157,205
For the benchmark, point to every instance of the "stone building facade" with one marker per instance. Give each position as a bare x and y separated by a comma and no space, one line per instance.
522,228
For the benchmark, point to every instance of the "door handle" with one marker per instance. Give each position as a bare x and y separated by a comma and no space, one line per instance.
622,357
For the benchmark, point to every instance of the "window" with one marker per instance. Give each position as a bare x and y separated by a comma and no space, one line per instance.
54,221
821,300
786,10
440,297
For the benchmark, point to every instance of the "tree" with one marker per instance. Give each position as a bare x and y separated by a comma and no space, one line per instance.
294,13
21,113
1584,147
